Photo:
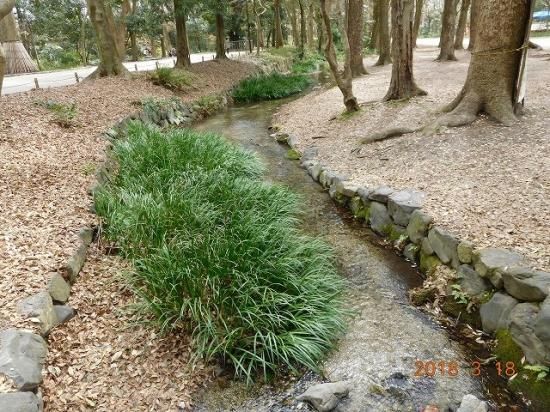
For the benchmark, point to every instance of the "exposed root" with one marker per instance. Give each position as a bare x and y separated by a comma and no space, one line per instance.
388,134
534,46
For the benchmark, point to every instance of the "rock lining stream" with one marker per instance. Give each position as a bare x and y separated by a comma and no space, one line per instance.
386,337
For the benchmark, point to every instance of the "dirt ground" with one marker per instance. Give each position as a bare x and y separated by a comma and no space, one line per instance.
485,183
45,173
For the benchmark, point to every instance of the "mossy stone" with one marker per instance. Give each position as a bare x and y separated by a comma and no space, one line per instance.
292,154
537,392
357,207
421,295
459,310
428,263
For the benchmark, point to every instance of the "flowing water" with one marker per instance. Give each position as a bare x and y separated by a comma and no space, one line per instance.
386,337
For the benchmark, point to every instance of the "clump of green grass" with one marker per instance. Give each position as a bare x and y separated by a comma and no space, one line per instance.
217,251
174,79
270,87
64,114
308,64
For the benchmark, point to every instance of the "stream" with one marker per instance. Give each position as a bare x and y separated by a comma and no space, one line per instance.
386,336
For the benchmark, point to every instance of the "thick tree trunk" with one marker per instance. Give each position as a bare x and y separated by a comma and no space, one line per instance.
373,41
344,79
310,21
259,32
303,34
182,42
402,84
384,46
17,59
474,16
355,36
447,32
320,32
291,11
278,27
461,26
133,38
220,37
110,60
6,7
417,20
494,67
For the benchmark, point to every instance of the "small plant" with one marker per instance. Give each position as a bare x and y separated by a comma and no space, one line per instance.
174,79
88,169
308,64
209,105
541,371
63,114
270,87
458,295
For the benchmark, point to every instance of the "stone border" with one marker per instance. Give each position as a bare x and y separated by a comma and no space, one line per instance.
22,352
510,295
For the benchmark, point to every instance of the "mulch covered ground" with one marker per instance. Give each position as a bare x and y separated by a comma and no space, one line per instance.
486,183
95,362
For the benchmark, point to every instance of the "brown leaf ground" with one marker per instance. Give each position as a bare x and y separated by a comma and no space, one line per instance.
486,183
45,172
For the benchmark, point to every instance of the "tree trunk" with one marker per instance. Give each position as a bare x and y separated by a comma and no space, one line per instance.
6,7
402,85
248,28
474,16
278,27
494,67
291,10
303,34
373,41
133,38
447,32
182,42
220,37
310,23
17,59
384,47
110,60
417,20
259,32
320,32
461,26
355,36
344,79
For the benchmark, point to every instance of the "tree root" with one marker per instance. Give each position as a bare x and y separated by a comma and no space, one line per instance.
388,134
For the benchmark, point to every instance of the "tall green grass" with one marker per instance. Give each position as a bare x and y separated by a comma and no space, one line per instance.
270,87
217,251
174,79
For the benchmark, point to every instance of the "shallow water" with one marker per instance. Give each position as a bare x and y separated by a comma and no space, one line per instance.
378,353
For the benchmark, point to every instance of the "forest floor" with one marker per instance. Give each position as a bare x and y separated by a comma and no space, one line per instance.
95,361
485,183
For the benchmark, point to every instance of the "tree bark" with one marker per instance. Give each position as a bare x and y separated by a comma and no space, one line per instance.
494,66
220,37
6,7
182,42
310,21
17,59
447,37
355,36
303,34
384,46
291,10
344,79
474,16
417,20
278,27
402,85
259,32
110,60
461,26
373,41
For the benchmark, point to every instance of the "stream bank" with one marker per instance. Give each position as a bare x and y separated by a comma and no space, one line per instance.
387,335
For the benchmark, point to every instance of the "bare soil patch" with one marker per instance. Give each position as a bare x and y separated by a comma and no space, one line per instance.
486,183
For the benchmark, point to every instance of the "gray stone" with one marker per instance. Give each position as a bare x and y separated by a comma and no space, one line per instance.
75,263
310,153
22,356
522,329
39,306
471,404
292,141
346,189
418,226
542,323
280,137
465,251
58,289
326,177
526,284
86,235
364,193
379,218
20,402
470,282
381,194
411,251
64,313
403,203
444,245
325,396
315,171
495,314
426,247
488,260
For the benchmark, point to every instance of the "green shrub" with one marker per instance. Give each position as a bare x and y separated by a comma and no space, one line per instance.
174,79
217,251
269,87
308,64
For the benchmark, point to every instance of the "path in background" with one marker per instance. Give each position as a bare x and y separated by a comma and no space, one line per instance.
25,82
543,42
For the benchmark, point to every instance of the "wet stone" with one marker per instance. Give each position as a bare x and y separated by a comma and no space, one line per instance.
22,356
325,396
381,194
472,404
418,226
403,203
444,245
411,251
495,314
